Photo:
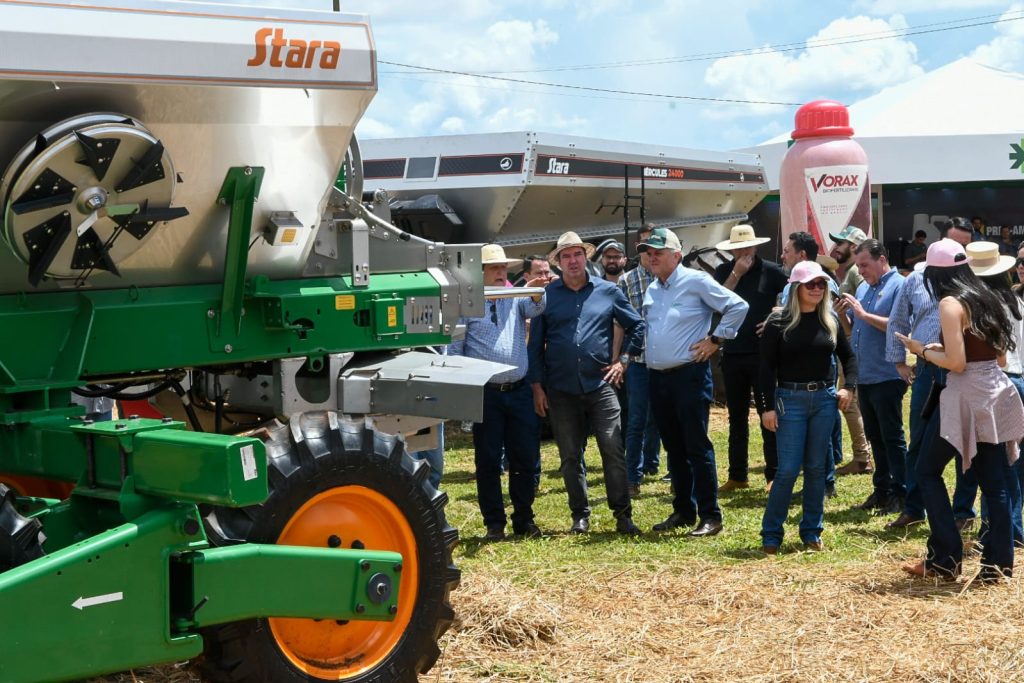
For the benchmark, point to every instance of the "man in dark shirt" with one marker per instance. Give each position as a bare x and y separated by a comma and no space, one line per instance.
572,372
759,283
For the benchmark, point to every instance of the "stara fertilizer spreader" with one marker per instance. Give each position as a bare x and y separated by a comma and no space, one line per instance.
182,215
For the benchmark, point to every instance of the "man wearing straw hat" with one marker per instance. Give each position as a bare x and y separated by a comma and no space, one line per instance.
572,374
679,306
759,283
509,424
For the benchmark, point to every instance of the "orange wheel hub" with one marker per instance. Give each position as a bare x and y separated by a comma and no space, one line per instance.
324,649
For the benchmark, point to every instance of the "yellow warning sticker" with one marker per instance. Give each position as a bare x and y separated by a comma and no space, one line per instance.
288,235
344,302
392,316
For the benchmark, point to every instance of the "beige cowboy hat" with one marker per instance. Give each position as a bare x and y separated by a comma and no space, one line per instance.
986,259
741,237
493,254
569,239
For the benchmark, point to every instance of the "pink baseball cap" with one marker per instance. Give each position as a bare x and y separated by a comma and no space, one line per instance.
805,271
945,253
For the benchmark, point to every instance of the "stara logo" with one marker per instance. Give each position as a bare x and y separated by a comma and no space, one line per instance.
298,54
1017,155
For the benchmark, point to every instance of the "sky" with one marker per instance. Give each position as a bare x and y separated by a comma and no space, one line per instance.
664,47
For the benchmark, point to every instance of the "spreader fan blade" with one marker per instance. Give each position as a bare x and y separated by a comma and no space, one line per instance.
99,152
139,224
91,253
146,170
44,242
49,190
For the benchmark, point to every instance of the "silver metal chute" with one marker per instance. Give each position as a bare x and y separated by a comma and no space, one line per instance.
417,383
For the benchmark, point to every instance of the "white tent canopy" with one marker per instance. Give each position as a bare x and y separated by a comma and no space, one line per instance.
954,124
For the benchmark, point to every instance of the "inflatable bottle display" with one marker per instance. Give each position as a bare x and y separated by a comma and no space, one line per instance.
823,182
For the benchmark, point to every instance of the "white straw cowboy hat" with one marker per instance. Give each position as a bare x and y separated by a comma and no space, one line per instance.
986,260
741,237
493,254
569,239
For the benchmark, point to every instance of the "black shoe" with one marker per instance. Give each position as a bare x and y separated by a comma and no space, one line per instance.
709,527
830,490
674,521
964,524
529,531
651,472
495,533
893,506
904,521
667,477
873,502
625,525
633,490
580,526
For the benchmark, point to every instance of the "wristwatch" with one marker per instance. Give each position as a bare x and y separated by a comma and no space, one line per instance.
624,359
717,341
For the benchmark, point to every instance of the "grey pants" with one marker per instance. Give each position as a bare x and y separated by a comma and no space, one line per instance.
573,416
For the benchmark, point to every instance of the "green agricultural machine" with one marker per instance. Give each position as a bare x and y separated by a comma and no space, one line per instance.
181,216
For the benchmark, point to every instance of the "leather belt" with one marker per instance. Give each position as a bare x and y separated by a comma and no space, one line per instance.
676,368
506,386
807,386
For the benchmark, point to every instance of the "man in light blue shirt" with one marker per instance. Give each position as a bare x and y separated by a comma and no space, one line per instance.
510,425
880,388
679,306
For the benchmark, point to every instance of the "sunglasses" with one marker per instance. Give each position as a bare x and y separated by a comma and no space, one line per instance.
494,313
815,284
1020,262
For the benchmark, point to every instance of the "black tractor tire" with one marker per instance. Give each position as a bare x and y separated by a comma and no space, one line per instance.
319,454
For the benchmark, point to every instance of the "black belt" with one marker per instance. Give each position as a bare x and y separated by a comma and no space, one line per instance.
807,386
676,368
1015,375
506,386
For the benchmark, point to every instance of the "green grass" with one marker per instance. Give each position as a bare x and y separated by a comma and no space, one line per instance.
850,535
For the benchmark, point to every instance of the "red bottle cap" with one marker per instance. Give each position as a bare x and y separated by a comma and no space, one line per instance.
822,118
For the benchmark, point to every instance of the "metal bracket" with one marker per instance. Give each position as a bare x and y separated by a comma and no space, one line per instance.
240,191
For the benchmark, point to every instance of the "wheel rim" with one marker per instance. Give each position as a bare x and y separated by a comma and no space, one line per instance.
324,649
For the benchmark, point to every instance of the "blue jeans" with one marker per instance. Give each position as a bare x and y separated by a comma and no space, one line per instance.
681,401
642,440
945,549
922,432
510,428
835,449
803,441
434,458
1014,487
881,407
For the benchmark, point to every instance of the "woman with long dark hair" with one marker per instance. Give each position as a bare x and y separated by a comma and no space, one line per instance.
980,414
796,381
993,269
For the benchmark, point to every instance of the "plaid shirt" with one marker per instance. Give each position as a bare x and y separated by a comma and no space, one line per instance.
634,284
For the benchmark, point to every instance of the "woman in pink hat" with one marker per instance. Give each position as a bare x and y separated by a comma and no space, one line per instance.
796,380
980,414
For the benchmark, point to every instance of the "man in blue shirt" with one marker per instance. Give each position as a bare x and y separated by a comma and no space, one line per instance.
509,425
572,372
880,388
678,307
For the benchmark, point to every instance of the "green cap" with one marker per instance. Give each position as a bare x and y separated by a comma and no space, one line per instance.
661,238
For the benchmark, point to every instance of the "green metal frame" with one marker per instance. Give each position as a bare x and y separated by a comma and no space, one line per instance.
128,576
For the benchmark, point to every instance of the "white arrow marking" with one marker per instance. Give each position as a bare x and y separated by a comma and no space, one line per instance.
82,602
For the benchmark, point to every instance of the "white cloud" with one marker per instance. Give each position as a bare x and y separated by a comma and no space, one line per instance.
834,71
887,7
453,124
372,128
1006,50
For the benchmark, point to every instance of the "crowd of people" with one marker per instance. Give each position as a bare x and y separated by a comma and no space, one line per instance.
625,355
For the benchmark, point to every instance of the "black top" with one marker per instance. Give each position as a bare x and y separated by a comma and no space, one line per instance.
759,287
804,355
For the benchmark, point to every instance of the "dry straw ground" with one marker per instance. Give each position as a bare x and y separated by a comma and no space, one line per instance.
668,608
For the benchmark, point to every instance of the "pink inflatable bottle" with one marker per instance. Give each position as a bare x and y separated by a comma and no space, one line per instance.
823,182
